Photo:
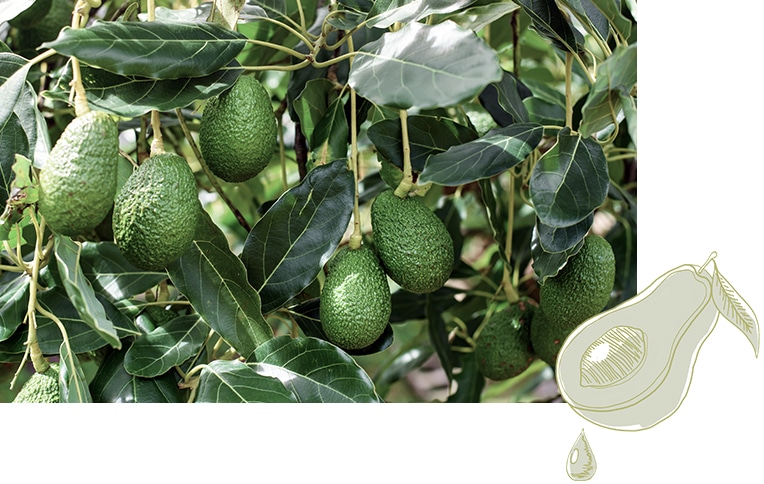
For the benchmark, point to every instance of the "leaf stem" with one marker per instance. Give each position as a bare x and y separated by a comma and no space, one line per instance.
278,47
568,93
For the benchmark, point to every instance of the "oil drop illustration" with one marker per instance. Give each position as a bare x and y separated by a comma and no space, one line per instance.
630,367
581,464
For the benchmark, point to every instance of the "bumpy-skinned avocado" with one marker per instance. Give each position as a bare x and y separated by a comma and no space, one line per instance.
156,212
41,387
237,135
355,300
503,346
547,337
79,179
415,248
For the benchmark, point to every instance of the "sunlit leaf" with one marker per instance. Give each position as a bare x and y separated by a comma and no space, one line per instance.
169,345
73,386
236,382
384,13
14,298
112,384
615,79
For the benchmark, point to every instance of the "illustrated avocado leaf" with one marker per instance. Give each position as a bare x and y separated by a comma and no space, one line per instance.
132,96
80,291
236,382
214,281
290,244
157,50
428,135
112,384
14,299
734,308
569,181
73,386
497,151
169,345
424,66
315,371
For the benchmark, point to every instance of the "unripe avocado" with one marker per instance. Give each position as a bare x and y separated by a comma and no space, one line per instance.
41,387
503,346
547,337
156,212
237,135
79,179
355,300
414,246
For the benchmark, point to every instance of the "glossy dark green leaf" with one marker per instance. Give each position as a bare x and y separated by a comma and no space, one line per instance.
469,381
132,96
112,384
428,135
169,345
544,112
384,13
13,140
424,66
611,9
615,79
590,16
13,74
112,275
73,386
548,264
436,326
504,100
561,239
551,24
497,151
311,106
14,299
215,282
332,134
236,382
157,50
403,364
291,243
569,181
314,371
496,211
80,291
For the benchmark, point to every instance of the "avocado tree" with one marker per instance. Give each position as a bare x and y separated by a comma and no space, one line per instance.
511,124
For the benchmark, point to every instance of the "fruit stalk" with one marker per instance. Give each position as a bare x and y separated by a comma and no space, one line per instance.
405,185
356,237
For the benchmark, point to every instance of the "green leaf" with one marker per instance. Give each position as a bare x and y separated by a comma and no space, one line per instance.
495,211
612,10
73,386
497,151
548,264
132,96
508,93
384,13
312,104
428,135
112,384
561,239
11,10
80,291
112,275
590,16
475,18
151,49
615,79
215,282
14,299
13,140
332,134
13,74
236,382
469,381
436,326
424,66
314,371
551,24
569,181
169,345
290,244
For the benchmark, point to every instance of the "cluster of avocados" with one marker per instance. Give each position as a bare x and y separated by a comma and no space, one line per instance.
411,245
512,338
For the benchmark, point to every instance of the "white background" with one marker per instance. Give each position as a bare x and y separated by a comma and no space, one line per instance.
700,185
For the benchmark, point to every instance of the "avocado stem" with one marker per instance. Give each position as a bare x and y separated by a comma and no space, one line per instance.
404,187
356,238
708,261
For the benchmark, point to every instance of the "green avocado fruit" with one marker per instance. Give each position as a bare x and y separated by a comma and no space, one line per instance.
355,300
238,131
579,291
503,347
41,387
156,212
79,180
415,248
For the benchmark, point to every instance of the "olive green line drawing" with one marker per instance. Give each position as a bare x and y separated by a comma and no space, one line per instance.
630,368
581,464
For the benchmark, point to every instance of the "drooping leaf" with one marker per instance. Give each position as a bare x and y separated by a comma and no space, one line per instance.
428,135
132,96
80,291
169,345
13,140
14,298
548,264
611,9
504,100
384,13
615,79
13,74
495,211
311,106
73,386
331,134
590,16
236,382
314,371
424,66
157,50
497,151
438,335
112,275
561,239
291,243
469,381
112,384
215,282
551,24
569,181
734,308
